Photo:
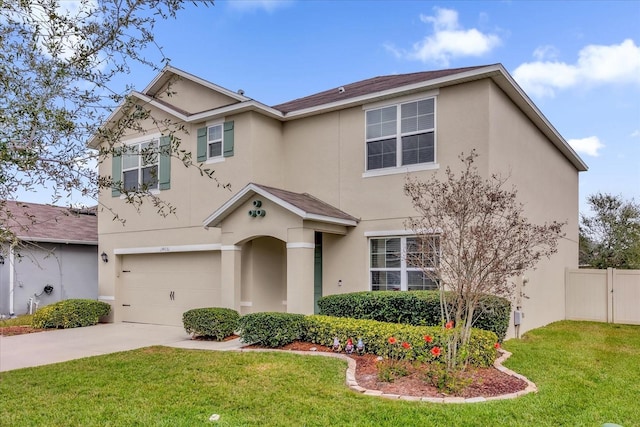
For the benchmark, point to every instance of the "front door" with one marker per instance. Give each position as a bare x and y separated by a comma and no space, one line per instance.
317,273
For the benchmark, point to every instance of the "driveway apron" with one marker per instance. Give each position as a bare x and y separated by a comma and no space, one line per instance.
43,348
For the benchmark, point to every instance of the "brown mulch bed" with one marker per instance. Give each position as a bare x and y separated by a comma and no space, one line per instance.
483,382
7,331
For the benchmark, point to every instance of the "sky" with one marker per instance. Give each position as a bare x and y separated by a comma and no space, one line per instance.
579,61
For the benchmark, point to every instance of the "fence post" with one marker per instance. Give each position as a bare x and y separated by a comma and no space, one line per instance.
610,314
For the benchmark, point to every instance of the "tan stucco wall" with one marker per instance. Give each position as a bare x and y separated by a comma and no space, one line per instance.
324,155
192,97
547,186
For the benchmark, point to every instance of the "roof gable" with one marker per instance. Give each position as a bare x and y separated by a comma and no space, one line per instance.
304,205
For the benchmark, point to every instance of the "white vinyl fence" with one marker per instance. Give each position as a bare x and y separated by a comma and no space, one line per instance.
609,295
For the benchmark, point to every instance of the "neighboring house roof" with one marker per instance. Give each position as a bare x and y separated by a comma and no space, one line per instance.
302,204
355,94
52,224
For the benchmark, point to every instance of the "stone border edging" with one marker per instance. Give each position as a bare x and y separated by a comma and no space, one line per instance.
353,384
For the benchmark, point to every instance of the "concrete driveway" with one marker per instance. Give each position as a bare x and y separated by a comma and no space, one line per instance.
43,348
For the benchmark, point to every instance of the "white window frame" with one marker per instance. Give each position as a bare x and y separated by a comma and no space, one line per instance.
404,268
139,142
399,168
219,158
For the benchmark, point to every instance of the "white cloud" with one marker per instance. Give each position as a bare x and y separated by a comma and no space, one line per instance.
252,5
545,53
635,133
589,146
449,40
597,64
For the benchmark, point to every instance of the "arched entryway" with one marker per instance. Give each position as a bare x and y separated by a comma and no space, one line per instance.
264,275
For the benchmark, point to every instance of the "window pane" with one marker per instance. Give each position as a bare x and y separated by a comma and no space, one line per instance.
417,116
426,106
381,154
417,149
215,133
426,122
385,280
130,157
130,180
150,177
381,122
392,253
215,149
149,153
385,253
417,281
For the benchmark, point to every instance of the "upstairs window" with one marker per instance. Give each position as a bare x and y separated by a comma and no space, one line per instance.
401,135
140,166
393,263
214,141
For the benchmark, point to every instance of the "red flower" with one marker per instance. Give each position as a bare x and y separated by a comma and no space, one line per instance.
435,351
496,345
406,345
428,338
449,325
392,340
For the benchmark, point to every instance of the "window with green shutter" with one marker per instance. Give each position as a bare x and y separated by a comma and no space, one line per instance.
142,166
215,141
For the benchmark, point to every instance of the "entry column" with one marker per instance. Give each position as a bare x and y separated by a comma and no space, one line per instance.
230,276
300,268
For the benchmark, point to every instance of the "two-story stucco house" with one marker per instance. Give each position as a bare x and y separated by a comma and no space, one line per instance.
316,203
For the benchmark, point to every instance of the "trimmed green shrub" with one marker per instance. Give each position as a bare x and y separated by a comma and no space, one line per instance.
211,322
271,329
71,313
375,336
418,308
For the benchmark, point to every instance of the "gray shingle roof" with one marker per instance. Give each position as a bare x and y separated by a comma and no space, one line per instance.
366,87
47,223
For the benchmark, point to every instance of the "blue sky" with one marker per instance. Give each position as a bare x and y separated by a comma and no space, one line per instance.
579,61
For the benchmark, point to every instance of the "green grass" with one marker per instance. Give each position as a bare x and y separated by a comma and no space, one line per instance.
587,374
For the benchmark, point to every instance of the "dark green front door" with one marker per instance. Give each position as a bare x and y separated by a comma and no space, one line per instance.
317,273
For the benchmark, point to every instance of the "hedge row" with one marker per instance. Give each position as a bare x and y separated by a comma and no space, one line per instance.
418,308
71,313
375,336
278,329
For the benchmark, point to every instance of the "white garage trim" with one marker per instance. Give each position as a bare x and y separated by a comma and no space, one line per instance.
166,249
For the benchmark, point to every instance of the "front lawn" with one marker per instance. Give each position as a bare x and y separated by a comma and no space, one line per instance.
587,374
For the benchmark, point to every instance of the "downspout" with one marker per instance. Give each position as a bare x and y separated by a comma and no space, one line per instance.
11,281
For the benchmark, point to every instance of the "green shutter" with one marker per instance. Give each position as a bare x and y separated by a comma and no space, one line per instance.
227,139
164,177
202,145
116,172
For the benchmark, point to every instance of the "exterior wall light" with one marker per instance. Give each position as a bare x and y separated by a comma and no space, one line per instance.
105,257
1,260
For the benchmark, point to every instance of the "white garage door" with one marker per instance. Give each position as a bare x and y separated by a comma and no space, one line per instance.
158,288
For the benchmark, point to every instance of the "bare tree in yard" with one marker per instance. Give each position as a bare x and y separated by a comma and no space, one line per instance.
58,66
473,237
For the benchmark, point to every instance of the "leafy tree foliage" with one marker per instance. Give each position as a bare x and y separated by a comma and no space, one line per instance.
611,236
473,238
58,63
